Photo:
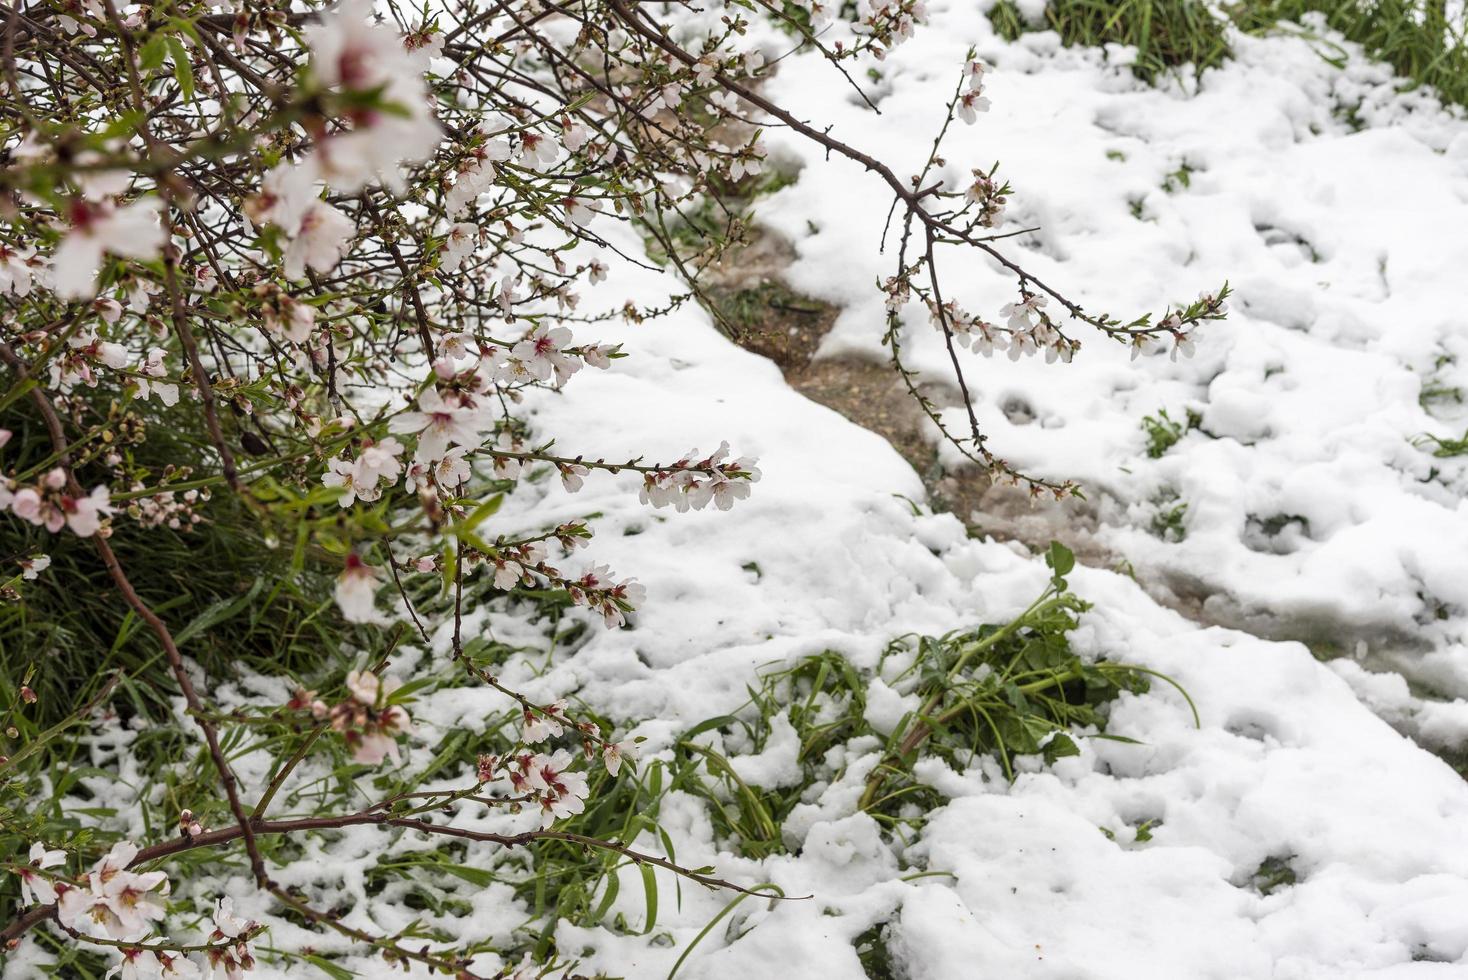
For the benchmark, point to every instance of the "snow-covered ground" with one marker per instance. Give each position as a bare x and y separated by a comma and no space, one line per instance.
1347,250
1346,247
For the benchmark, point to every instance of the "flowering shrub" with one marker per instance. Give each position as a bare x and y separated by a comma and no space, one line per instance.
327,253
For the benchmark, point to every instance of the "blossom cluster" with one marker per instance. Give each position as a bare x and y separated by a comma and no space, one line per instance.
694,483
49,503
116,904
368,722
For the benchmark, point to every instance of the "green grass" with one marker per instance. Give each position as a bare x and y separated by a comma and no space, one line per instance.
1446,448
1168,34
1415,37
1001,690
1164,432
1169,519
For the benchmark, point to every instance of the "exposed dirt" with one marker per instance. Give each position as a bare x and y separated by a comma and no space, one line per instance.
762,314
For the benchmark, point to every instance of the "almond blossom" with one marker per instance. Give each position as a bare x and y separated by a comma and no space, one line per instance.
49,506
353,53
368,724
132,231
229,953
441,420
36,888
16,271
540,351
614,753
356,592
461,240
547,722
113,902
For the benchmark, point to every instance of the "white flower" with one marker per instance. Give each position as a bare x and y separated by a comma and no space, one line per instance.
537,150
115,903
319,241
84,516
970,104
31,568
365,686
132,232
458,245
423,44
356,592
342,472
153,368
351,52
540,353
579,211
137,963
285,193
453,469
573,475
378,463
226,923
439,421
381,141
547,723
16,272
565,792
507,573
317,233
574,135
612,754
1019,313
36,888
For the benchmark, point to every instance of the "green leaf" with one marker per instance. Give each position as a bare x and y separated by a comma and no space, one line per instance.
183,69
1059,747
329,968
614,885
480,514
153,52
219,612
650,891
16,392
474,876
406,692
1061,560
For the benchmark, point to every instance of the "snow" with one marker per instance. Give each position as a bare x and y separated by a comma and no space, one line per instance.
1311,390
